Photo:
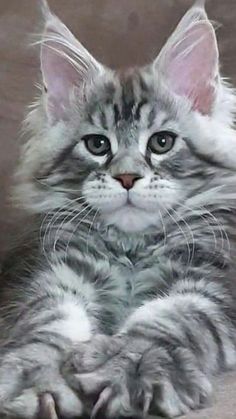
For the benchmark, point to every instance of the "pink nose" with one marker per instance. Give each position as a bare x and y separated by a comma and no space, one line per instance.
127,180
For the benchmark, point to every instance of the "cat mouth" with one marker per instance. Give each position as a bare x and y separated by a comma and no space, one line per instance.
129,203
129,206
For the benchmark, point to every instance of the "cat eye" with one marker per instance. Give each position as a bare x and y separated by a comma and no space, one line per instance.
161,142
97,144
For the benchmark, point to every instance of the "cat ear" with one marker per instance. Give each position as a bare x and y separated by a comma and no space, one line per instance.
66,66
189,61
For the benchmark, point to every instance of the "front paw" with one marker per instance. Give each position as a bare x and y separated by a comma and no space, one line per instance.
106,370
30,389
130,376
95,370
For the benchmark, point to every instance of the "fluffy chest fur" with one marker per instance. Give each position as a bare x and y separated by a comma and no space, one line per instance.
124,271
117,273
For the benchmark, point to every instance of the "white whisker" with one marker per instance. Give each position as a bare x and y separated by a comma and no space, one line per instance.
77,225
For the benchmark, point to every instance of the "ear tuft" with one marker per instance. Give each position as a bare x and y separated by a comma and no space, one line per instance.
45,9
200,3
66,66
190,60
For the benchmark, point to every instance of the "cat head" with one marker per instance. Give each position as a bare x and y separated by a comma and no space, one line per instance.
132,144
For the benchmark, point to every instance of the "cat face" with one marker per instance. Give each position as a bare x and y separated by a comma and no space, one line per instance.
129,160
131,146
128,146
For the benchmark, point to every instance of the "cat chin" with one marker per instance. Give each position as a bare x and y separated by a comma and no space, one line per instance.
130,219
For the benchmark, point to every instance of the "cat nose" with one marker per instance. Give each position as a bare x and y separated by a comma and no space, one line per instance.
127,180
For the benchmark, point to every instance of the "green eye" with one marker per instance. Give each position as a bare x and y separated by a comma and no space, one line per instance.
96,144
161,142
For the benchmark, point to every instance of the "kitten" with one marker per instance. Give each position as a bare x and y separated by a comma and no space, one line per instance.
121,297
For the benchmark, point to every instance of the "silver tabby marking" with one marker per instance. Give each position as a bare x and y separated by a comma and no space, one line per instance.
123,288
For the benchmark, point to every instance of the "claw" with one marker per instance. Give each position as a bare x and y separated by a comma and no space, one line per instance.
147,403
102,401
47,407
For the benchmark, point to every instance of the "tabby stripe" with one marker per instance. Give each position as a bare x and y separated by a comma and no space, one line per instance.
64,153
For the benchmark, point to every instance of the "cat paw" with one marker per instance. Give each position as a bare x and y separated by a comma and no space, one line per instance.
126,376
29,390
99,370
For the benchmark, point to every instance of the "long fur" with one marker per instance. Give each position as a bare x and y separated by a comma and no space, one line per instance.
135,306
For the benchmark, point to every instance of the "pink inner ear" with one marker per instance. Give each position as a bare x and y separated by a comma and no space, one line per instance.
191,66
66,65
60,76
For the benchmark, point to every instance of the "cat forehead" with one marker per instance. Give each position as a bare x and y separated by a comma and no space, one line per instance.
130,98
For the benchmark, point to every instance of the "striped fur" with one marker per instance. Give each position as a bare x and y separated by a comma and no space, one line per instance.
133,305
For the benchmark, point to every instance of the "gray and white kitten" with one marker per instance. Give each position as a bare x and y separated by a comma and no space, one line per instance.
121,298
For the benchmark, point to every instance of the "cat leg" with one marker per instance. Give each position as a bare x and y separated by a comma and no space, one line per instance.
165,356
